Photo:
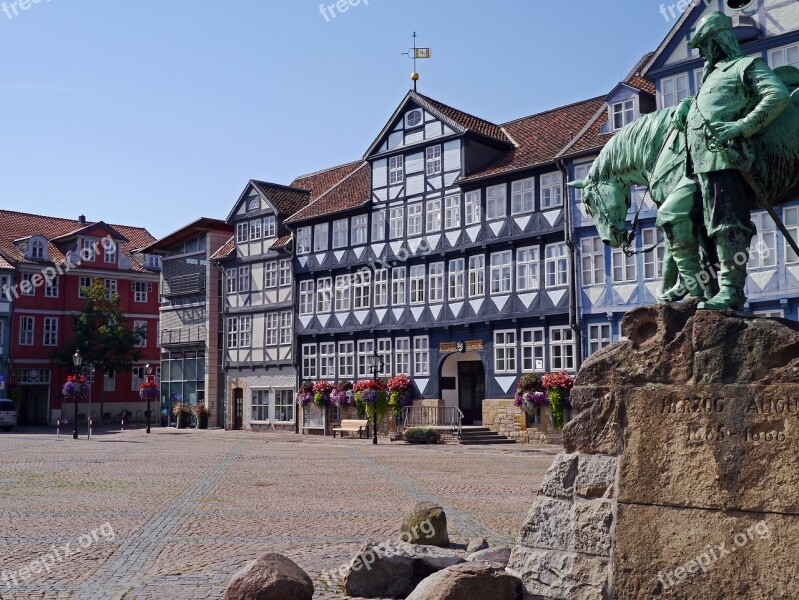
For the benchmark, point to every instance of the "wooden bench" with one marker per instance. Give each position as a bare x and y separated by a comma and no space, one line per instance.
354,425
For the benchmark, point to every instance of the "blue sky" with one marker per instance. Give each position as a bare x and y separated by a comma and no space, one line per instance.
154,113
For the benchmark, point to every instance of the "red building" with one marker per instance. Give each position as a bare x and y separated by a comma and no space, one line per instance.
53,260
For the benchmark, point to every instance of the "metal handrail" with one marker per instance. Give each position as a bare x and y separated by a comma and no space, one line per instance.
436,416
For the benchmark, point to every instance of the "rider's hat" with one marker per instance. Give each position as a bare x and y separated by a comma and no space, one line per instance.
713,23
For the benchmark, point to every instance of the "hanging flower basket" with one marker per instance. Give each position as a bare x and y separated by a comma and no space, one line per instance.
342,395
370,395
148,391
558,387
305,393
400,393
76,388
321,393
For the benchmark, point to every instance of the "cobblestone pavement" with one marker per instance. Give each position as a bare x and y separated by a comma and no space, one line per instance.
175,514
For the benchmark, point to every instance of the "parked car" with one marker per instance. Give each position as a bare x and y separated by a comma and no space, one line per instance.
8,415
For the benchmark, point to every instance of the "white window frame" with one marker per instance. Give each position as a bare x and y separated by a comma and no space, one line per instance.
622,113
477,276
360,230
51,288
109,253
138,326
320,237
790,217
111,287
551,191
256,229
270,274
245,331
592,261
141,291
50,331
83,282
785,59
415,224
272,329
306,297
471,208
37,250
88,251
413,114
435,275
341,233
244,278
286,327
501,273
496,202
26,287
361,289
27,330
416,284
324,295
242,233
379,225
366,349
457,279
556,265
327,360
284,268
396,223
399,286
600,335
562,350
580,173
343,293
763,249
384,351
270,227
396,169
653,261
522,196
681,90
433,217
402,356
381,288
421,356
452,212
433,160
534,345
624,268
232,330
303,240
309,358
505,351
528,260
346,360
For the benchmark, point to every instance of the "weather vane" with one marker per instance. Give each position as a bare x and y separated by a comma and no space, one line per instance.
416,53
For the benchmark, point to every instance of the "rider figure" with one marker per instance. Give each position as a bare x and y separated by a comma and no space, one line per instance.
739,97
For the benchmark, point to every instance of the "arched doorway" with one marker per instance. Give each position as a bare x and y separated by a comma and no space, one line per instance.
462,384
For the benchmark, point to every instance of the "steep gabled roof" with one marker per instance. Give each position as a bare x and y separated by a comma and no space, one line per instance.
17,225
186,232
286,200
636,77
690,14
86,231
319,182
540,138
458,120
4,264
351,192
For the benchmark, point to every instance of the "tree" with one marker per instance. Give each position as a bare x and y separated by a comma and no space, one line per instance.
103,335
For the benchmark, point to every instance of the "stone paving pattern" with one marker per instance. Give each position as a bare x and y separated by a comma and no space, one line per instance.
191,508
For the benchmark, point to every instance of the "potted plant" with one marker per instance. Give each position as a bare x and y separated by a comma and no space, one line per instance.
400,394
201,414
558,387
182,413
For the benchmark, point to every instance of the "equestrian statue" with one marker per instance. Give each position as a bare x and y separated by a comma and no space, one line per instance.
707,162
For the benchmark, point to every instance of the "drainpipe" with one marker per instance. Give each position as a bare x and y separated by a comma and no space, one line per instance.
574,313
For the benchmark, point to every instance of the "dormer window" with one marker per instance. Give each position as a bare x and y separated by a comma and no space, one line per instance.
37,250
253,203
396,169
87,252
623,113
110,254
414,118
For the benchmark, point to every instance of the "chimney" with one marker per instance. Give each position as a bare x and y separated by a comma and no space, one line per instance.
82,219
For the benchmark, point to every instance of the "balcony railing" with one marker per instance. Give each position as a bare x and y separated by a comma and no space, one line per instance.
182,336
432,416
183,285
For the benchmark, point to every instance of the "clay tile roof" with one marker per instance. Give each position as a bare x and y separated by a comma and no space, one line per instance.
281,242
636,78
351,192
540,138
287,200
225,250
469,122
4,264
321,181
17,225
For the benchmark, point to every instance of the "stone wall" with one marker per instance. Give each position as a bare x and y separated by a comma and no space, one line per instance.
681,473
505,418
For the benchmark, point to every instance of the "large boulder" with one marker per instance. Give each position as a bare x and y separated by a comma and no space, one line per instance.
394,569
491,555
271,577
426,524
470,581
476,545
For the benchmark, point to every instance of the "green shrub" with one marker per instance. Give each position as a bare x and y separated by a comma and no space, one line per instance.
422,435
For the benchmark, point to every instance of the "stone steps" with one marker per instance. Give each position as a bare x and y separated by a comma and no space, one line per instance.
482,436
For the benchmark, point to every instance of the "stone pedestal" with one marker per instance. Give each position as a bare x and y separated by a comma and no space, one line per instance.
681,477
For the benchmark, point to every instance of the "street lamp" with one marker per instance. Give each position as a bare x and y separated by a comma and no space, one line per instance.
376,365
77,361
148,370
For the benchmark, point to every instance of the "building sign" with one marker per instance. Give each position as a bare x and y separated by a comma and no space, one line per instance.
453,346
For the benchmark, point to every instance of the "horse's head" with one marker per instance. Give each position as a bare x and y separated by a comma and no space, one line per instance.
608,202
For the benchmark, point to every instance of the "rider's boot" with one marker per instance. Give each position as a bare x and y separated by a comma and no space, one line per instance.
733,249
685,251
